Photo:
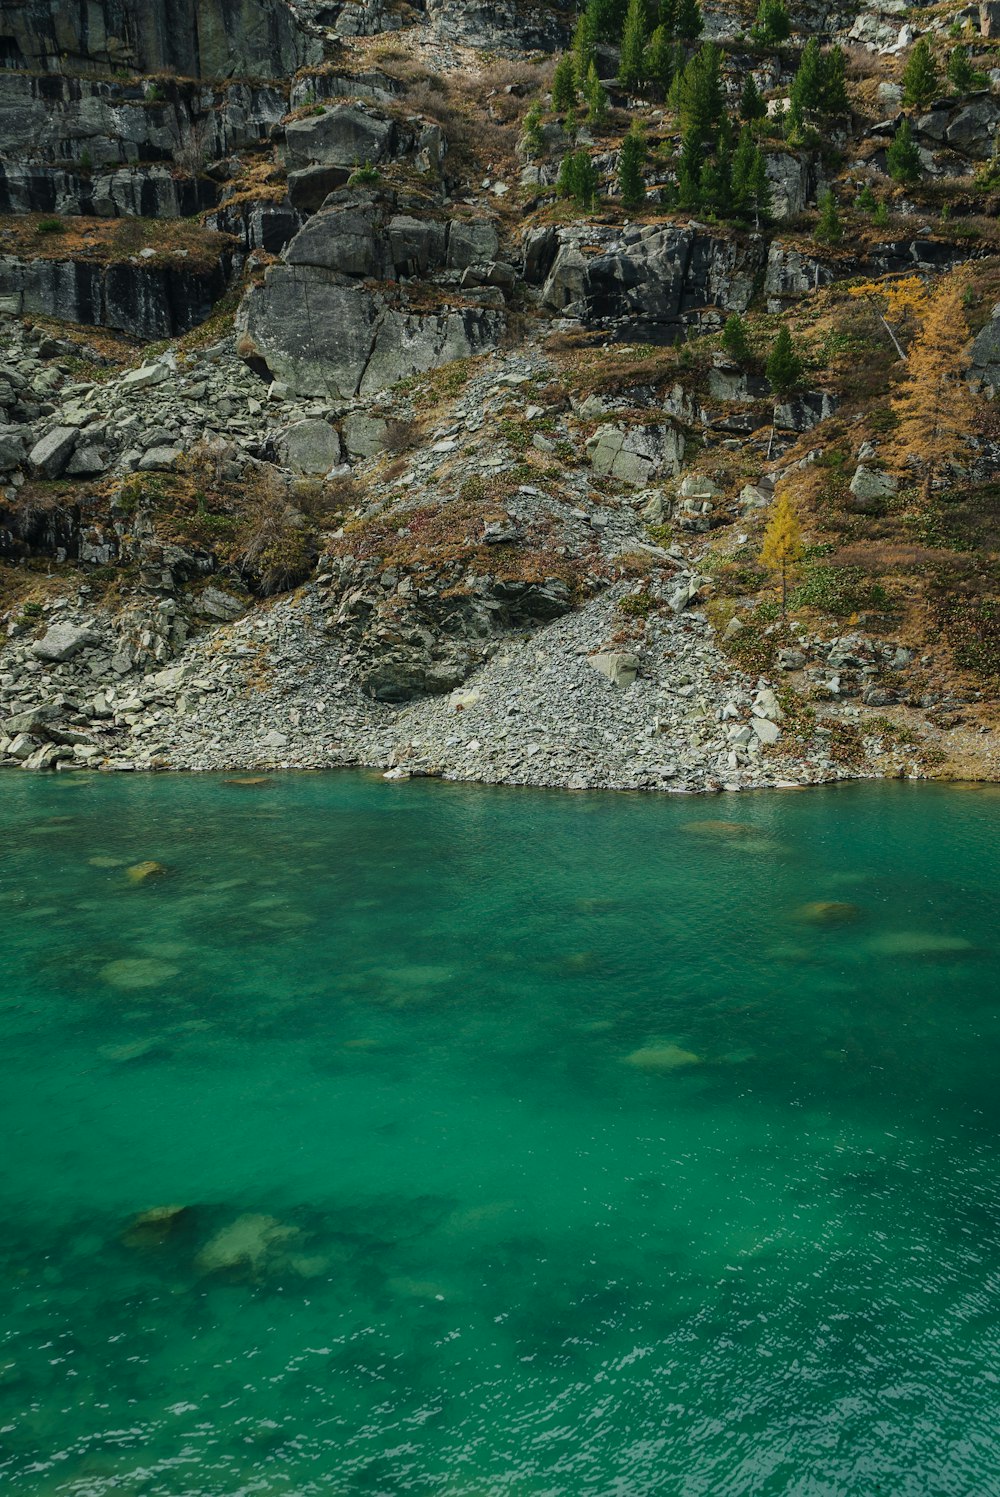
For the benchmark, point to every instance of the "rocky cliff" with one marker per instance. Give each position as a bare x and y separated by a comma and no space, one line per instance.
339,424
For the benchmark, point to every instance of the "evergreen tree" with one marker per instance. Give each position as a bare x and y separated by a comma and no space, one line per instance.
607,17
784,367
564,84
659,65
772,25
960,71
782,548
701,92
866,201
920,77
829,229
689,21
532,137
666,16
734,339
751,190
596,97
835,100
578,179
760,190
689,171
807,86
632,68
584,42
902,159
752,106
962,76
880,218
630,162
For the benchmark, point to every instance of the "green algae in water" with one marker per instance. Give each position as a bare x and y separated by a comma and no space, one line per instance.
421,1138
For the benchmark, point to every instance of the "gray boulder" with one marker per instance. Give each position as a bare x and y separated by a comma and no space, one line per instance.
311,447
637,454
322,337
61,642
871,484
50,455
619,667
364,435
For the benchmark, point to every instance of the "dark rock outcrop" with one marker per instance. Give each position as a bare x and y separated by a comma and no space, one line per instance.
653,281
196,38
146,300
330,321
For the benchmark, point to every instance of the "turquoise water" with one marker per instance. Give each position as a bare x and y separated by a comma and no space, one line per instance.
529,1143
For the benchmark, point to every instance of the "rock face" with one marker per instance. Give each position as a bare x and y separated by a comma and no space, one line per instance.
75,145
654,281
636,455
195,38
322,329
146,300
986,353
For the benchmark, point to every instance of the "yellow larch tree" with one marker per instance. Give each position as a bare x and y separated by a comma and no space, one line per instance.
897,302
782,547
933,405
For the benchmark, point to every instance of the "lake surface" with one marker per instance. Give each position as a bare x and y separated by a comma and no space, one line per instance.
527,1143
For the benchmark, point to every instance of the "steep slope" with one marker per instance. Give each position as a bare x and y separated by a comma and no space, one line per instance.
464,441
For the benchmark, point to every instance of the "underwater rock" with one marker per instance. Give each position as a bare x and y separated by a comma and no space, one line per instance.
827,912
918,943
138,972
661,1058
140,872
153,1228
102,862
253,1244
137,1050
719,829
257,782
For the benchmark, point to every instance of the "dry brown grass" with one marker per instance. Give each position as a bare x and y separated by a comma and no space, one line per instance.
109,241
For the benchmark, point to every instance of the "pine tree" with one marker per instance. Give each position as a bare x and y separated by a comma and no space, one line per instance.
606,18
807,85
960,71
630,163
532,137
880,218
835,100
902,159
829,229
689,21
760,190
596,97
866,202
578,179
933,405
632,68
584,43
751,190
920,77
752,106
784,367
742,171
782,548
689,171
772,25
701,101
734,339
659,63
666,16
564,84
